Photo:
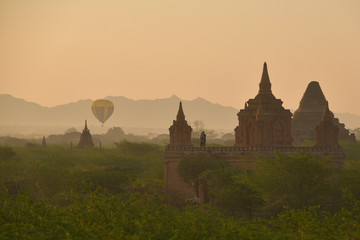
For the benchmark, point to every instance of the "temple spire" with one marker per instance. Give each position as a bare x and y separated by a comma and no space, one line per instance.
43,144
180,131
265,84
327,115
327,133
85,138
180,117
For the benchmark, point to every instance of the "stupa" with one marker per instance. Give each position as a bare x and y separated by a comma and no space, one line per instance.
264,122
180,131
309,114
85,138
43,143
327,132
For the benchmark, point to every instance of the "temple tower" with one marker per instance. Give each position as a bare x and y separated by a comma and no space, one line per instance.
85,138
264,122
327,132
309,114
180,131
43,143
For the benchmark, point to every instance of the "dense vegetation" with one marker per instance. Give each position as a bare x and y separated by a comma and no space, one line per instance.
117,134
117,193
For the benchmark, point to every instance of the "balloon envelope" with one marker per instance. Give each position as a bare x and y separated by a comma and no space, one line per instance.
102,109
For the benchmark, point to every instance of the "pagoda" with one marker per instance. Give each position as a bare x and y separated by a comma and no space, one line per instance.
180,131
43,143
309,114
327,133
85,138
264,122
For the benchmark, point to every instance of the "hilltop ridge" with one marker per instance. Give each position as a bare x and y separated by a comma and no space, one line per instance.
157,113
144,113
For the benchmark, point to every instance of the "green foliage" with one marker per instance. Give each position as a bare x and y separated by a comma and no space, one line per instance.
351,150
6,153
350,179
137,149
47,172
311,223
58,193
297,180
191,168
115,132
232,191
31,144
67,138
12,141
98,215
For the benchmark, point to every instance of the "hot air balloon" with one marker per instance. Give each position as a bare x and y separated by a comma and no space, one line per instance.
102,109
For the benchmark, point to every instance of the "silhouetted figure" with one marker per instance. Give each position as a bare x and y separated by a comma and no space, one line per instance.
43,144
202,139
100,145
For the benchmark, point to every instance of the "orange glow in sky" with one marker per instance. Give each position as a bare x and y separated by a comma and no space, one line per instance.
59,51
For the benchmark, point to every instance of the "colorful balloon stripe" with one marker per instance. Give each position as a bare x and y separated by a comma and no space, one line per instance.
102,109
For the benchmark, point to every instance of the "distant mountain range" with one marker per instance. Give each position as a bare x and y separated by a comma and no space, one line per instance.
158,113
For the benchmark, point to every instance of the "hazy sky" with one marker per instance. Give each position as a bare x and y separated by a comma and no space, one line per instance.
58,51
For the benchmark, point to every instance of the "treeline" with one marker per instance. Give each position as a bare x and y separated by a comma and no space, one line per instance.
71,137
117,193
297,181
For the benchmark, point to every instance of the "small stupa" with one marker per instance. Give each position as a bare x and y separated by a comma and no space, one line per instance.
180,131
85,138
327,133
264,122
309,114
43,144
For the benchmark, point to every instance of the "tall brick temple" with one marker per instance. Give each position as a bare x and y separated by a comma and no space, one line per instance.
264,129
264,122
309,114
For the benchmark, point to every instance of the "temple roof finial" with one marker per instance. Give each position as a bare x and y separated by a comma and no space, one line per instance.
86,124
265,84
180,117
327,115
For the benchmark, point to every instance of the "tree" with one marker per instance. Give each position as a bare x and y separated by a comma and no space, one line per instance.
115,132
233,191
199,126
6,153
137,149
350,179
296,180
191,168
356,131
70,130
